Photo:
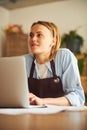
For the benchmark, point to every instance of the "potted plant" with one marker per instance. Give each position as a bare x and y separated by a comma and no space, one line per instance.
73,41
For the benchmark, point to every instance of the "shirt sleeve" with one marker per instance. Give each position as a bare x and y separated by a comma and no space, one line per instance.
28,59
71,79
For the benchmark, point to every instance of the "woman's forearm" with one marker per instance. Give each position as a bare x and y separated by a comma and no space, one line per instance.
60,101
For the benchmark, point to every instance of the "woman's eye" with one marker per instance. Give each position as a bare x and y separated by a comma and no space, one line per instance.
31,35
39,35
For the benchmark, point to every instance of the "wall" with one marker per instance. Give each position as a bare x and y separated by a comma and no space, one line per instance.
4,20
4,17
68,15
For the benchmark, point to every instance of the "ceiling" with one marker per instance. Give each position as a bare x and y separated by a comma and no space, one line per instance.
14,4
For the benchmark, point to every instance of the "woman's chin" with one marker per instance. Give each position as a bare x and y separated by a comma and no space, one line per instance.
34,51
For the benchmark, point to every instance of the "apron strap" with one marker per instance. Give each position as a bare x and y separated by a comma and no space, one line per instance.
53,67
32,69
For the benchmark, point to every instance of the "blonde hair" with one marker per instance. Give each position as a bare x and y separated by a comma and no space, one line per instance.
56,35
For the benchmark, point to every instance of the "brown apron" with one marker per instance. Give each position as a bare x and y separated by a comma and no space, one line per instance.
47,87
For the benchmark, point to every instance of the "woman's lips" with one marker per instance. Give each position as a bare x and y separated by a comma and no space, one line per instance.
33,44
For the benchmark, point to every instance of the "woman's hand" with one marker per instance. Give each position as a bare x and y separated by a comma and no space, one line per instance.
34,100
60,101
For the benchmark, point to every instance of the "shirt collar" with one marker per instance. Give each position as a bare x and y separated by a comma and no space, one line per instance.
47,65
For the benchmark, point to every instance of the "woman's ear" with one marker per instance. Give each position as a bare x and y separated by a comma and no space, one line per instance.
54,41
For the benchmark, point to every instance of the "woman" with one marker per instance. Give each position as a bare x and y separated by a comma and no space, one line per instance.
53,74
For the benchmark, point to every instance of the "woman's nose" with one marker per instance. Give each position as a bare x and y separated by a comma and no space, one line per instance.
34,38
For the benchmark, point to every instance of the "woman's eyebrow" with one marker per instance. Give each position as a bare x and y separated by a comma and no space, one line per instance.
36,32
39,32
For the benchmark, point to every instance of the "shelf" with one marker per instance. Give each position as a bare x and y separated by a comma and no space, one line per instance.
16,44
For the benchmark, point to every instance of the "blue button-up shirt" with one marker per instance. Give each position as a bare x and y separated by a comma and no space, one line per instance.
66,67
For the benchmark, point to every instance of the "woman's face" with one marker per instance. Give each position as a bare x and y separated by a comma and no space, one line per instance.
40,39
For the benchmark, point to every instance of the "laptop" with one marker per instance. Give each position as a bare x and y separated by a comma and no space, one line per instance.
14,91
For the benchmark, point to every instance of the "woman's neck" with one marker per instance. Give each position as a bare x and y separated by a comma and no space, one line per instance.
41,59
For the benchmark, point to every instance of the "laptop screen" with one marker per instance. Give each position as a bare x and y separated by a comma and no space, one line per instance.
13,82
